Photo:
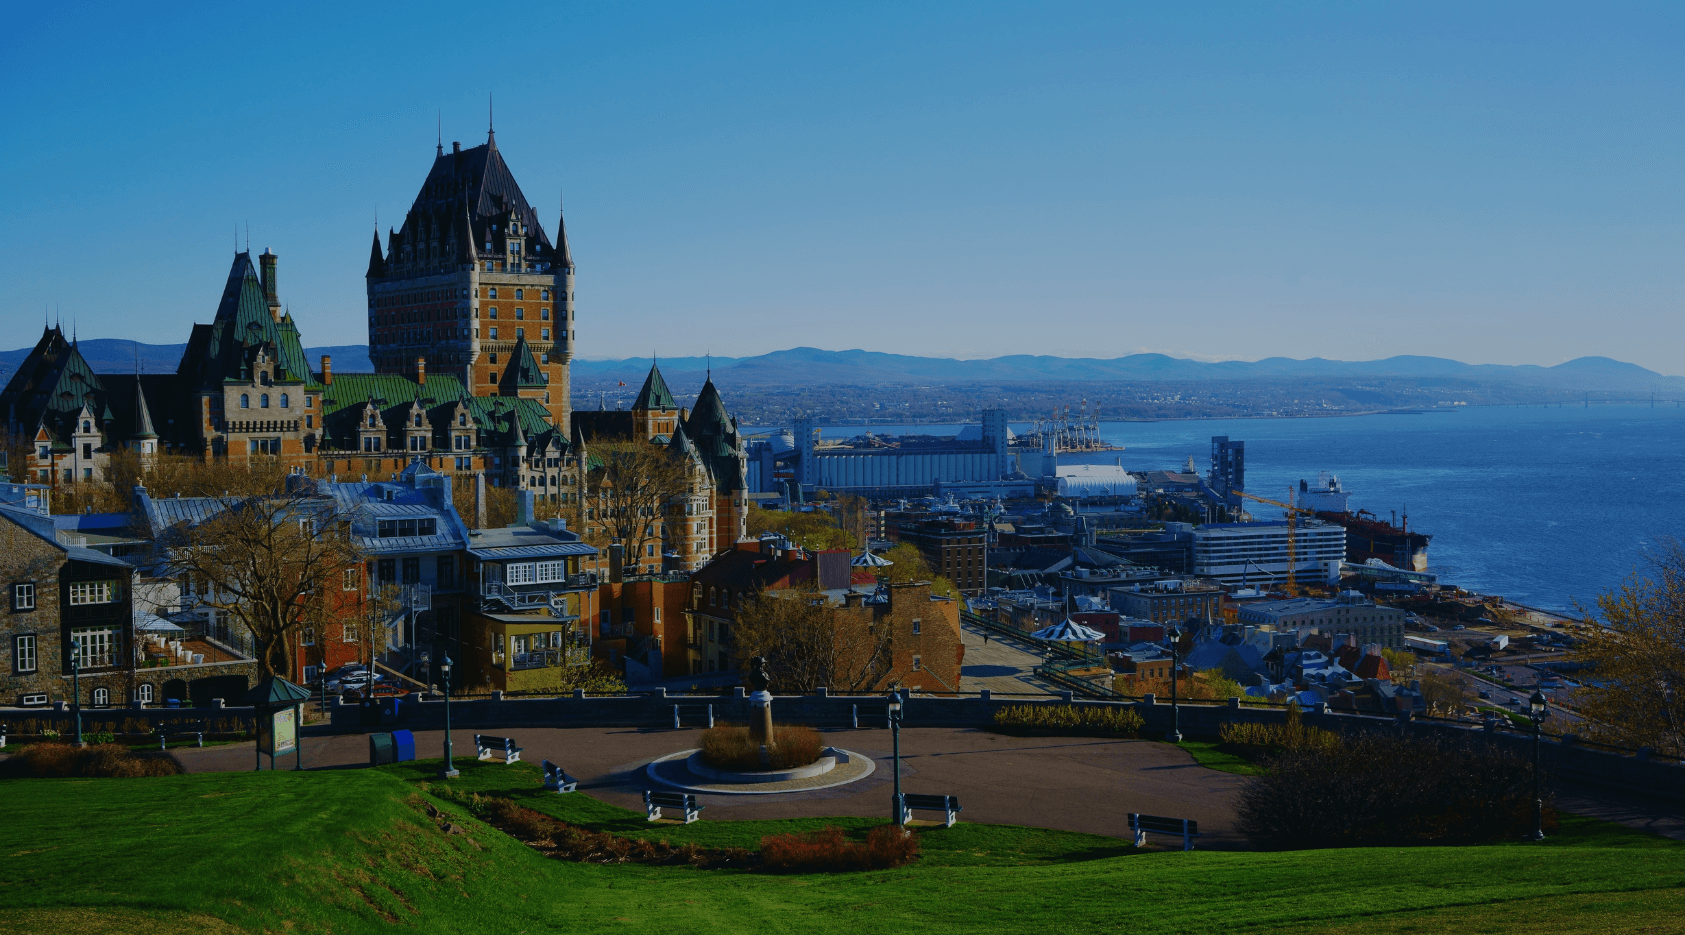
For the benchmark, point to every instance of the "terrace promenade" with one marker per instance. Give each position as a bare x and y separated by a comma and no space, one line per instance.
1069,783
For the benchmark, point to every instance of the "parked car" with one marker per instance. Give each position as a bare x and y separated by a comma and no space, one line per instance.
1484,694
1459,627
355,680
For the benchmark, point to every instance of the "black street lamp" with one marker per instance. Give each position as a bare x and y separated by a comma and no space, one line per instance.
449,772
76,686
895,730
1538,710
1175,637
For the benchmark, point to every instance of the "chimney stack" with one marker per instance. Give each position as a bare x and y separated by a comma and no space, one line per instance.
479,499
327,370
456,147
421,370
271,295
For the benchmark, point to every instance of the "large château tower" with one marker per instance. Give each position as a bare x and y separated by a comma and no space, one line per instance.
472,286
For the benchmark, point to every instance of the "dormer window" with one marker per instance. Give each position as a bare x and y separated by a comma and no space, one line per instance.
418,420
461,418
371,420
87,426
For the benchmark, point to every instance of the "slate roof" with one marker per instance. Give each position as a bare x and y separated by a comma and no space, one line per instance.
42,528
392,394
518,542
223,350
51,387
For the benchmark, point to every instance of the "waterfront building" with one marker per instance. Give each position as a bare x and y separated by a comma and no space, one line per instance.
1256,553
1171,600
1349,615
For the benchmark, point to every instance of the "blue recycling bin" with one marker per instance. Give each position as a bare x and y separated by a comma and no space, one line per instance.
389,708
404,743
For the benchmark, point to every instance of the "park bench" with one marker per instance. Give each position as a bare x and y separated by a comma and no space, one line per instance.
555,778
654,802
949,805
1142,825
699,711
485,745
178,732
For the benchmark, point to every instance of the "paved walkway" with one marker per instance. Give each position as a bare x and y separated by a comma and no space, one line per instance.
1069,783
1002,665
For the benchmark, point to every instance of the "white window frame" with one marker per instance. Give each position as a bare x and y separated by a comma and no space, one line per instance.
143,693
92,592
24,655
23,596
551,571
87,638
519,573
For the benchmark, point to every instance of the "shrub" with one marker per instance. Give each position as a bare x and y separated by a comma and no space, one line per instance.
1069,718
1388,790
827,851
731,747
1291,734
58,760
101,737
562,841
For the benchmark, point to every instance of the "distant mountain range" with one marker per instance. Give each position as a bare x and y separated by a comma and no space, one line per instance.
808,365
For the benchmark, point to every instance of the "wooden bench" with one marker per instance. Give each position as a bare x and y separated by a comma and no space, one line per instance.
700,711
486,744
1142,825
949,805
654,802
557,780
180,733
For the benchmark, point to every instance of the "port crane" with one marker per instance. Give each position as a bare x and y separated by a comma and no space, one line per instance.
1292,512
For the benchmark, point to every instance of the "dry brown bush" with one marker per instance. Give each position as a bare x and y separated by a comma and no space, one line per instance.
105,760
826,850
730,747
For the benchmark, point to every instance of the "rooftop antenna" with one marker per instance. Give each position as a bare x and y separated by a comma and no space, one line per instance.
441,133
248,236
491,117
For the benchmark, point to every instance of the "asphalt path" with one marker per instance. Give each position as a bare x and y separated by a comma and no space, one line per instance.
1069,783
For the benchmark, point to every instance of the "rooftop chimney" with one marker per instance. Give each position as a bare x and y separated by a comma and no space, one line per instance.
327,370
479,499
421,370
456,147
266,263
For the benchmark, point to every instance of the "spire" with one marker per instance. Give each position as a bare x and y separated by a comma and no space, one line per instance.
491,122
468,253
439,153
564,253
377,261
143,416
654,394
517,438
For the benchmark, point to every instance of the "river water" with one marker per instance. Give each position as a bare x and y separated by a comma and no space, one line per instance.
1543,506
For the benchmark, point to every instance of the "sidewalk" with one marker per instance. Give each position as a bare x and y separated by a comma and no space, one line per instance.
1004,665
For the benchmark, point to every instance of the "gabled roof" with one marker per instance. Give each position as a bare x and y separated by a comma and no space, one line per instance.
654,394
52,387
43,528
523,367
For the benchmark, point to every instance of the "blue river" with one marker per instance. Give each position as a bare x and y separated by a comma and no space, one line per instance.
1547,507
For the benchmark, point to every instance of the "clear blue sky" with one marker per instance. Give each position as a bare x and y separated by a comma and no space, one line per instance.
1491,182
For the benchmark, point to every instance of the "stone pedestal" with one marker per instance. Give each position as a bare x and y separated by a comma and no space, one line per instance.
760,718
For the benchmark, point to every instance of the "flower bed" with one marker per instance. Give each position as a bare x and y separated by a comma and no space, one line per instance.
730,747
1069,719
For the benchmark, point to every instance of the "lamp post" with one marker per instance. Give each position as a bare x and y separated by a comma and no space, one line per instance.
1175,636
1538,710
76,686
449,772
895,731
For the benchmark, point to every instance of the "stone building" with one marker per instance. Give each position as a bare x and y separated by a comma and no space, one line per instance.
468,278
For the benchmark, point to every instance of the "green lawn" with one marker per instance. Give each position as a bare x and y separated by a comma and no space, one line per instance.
351,851
1206,753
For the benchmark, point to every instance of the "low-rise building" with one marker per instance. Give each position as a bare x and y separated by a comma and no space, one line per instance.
1169,600
532,608
1351,613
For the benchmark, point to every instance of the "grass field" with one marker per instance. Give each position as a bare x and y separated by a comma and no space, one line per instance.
352,851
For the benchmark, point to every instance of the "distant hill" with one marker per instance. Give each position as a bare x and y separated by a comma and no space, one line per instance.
809,365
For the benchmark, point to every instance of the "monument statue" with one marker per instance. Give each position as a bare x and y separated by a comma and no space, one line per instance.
760,721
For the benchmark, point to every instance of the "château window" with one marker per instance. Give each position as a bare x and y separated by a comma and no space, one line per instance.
493,295
544,313
284,403
545,333
544,294
245,401
353,579
92,592
520,313
520,332
23,653
545,357
23,597
492,309
263,401
494,334
493,354
519,294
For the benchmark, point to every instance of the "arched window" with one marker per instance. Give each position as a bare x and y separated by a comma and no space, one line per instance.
711,598
143,693
87,426
102,697
284,403
418,420
245,401
263,401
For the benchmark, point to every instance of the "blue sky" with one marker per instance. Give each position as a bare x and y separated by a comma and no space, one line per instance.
1491,182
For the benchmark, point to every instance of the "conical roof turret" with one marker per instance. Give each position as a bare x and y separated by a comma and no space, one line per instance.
654,394
377,260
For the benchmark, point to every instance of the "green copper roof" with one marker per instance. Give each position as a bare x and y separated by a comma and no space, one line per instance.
655,394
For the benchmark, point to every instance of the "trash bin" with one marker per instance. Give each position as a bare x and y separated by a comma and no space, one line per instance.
389,708
404,741
382,750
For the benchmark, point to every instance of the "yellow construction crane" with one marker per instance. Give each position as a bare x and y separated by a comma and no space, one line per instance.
1292,513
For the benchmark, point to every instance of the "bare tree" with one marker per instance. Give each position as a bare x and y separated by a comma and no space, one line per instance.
809,644
1636,644
629,490
270,563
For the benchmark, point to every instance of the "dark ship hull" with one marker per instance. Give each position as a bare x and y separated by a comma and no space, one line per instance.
1369,537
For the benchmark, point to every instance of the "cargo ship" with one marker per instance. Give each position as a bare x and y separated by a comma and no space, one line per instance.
1367,535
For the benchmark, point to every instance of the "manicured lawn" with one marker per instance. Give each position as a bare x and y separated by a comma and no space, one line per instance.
1206,753
351,851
